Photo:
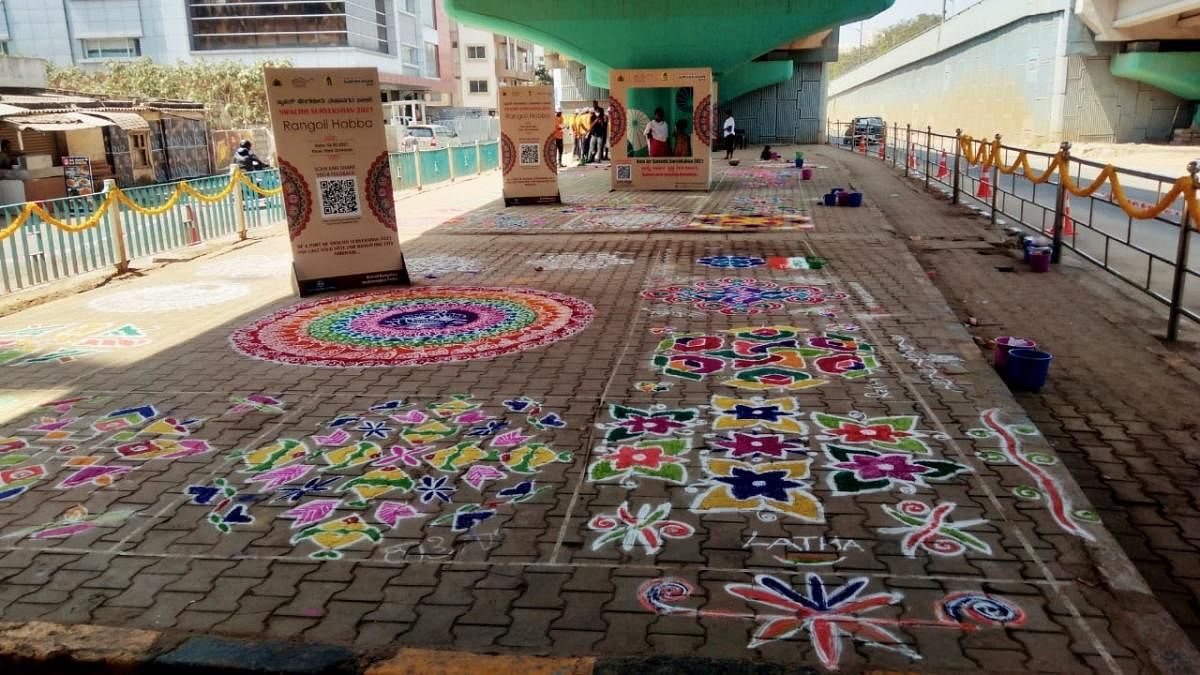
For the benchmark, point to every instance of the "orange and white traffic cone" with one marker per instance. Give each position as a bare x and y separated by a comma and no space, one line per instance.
985,186
943,170
862,144
1068,225
882,150
912,159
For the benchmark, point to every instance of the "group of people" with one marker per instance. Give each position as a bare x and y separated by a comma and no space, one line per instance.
590,129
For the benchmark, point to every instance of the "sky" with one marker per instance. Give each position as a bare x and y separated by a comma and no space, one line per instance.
901,10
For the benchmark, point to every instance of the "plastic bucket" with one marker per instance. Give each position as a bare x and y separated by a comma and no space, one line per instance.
799,163
805,174
1004,343
854,199
843,198
1039,260
831,199
1027,368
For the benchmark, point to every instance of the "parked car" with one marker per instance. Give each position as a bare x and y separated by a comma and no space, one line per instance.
427,136
871,127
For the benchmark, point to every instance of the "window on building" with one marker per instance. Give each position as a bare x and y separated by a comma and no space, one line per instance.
139,149
478,86
428,16
110,48
410,54
476,52
431,61
269,24
408,6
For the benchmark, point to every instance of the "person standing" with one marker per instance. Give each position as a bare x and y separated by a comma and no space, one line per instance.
683,139
730,131
558,135
596,135
657,134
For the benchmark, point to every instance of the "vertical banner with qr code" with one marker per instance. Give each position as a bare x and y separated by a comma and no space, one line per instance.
660,128
337,185
528,147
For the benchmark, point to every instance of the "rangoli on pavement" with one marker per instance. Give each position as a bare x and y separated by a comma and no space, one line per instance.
411,327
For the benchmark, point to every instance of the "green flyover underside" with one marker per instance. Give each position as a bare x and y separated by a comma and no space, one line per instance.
1174,72
720,34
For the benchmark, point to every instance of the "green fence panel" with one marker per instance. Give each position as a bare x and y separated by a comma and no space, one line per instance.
404,168
435,166
490,153
465,160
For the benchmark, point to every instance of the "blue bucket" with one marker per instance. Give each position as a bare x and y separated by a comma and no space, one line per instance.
1027,369
831,199
854,199
799,163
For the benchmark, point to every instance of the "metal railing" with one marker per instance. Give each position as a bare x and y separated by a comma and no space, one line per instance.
38,253
1153,257
418,168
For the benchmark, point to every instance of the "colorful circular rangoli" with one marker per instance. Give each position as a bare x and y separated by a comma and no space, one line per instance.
412,327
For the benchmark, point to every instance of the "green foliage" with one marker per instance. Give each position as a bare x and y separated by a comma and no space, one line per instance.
891,37
232,92
543,76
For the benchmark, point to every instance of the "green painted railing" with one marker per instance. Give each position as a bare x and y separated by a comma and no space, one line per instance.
39,253
416,169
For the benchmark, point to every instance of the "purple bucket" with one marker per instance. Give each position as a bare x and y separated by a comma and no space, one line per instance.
806,174
1006,342
843,198
1039,260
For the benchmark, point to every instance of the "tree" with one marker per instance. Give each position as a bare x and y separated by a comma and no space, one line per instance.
232,92
543,76
888,39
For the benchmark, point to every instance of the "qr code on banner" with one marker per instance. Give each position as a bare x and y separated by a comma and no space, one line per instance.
529,154
624,172
339,197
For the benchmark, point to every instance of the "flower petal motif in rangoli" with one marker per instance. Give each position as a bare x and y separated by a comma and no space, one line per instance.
740,296
859,470
634,423
895,433
827,614
930,530
747,445
775,414
435,489
647,528
334,535
765,357
658,459
767,486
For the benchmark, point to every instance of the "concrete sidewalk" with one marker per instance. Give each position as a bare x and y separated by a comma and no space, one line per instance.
638,425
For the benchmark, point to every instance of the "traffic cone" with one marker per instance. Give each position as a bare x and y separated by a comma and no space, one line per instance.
882,150
943,170
862,144
912,158
1068,225
985,186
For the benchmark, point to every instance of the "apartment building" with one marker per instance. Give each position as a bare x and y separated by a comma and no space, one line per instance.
485,61
407,40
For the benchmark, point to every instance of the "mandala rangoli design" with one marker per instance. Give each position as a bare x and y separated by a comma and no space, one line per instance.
409,327
740,296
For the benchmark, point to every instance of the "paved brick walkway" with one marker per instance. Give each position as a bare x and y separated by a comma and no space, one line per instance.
775,445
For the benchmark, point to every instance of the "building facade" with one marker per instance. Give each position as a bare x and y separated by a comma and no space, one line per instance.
407,40
484,62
